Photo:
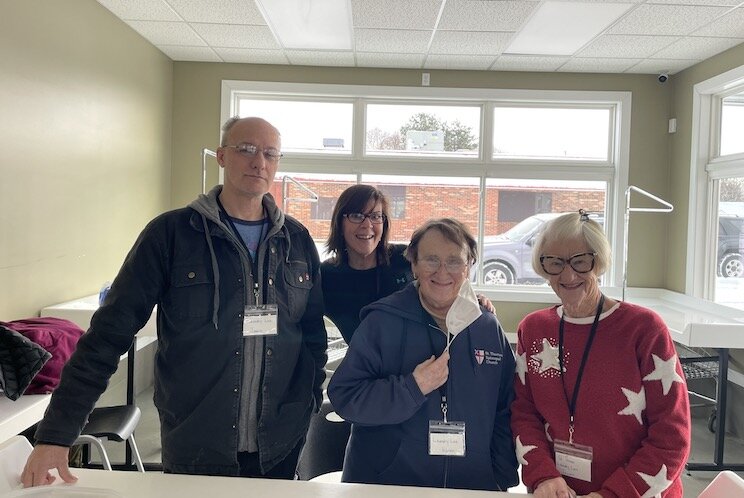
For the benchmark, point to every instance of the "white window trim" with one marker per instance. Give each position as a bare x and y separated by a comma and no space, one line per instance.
617,178
704,169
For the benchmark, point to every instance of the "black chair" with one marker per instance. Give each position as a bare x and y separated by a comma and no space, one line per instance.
115,423
326,444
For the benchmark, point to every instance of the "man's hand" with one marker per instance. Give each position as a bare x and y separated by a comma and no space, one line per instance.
554,488
432,373
41,460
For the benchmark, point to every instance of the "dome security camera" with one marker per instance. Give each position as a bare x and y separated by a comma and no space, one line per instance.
663,77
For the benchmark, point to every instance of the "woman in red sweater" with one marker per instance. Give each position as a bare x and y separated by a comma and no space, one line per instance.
601,406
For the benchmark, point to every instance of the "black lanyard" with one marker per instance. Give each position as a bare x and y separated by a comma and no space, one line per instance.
443,388
575,396
254,261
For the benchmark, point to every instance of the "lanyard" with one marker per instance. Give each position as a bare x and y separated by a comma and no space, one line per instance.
254,263
575,396
443,388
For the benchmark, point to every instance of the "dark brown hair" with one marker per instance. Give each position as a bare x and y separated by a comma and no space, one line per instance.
354,200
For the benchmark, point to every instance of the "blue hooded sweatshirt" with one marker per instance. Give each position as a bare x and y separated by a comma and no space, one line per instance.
374,389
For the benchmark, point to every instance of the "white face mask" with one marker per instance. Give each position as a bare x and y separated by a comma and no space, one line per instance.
464,311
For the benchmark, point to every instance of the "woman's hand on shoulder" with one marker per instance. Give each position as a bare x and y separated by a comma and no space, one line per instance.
486,303
554,488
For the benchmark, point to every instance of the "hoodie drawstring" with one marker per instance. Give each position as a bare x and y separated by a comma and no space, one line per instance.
216,272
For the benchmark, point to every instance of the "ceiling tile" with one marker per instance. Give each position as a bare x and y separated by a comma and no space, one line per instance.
251,56
365,59
729,3
395,14
484,15
316,58
167,33
656,66
731,25
236,36
392,40
474,62
595,65
528,63
197,54
694,47
665,19
141,10
625,46
222,11
469,43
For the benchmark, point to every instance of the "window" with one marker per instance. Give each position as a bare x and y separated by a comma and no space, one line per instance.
562,133
423,130
494,159
716,247
323,209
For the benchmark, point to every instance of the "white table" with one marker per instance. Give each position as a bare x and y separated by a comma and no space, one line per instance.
17,416
104,484
699,323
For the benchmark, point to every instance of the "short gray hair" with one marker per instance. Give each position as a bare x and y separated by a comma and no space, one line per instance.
452,230
574,226
226,129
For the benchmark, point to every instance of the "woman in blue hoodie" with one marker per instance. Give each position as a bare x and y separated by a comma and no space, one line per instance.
427,381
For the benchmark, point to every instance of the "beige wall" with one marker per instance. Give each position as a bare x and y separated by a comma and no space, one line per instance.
680,153
85,148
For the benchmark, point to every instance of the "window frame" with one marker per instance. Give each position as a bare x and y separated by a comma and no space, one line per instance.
707,167
614,171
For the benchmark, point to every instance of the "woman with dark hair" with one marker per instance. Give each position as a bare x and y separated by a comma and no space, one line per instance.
365,266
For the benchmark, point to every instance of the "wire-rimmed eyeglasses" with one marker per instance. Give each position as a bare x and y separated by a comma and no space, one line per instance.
250,150
433,264
375,217
581,263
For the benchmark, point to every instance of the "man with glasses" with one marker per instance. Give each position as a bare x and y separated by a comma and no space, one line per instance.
241,339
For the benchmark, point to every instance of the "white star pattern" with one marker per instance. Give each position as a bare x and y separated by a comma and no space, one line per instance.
636,403
548,357
521,369
657,483
522,450
666,372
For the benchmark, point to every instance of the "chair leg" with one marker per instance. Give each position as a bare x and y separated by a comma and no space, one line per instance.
94,441
135,453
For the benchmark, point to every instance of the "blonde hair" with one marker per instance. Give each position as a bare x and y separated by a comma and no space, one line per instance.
573,226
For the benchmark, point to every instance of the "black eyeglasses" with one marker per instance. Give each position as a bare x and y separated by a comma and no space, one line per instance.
357,218
250,150
581,263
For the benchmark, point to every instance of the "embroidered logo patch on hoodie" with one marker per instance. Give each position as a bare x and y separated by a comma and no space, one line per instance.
489,357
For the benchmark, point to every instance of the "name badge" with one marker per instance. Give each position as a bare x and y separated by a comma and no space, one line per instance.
573,460
446,438
260,320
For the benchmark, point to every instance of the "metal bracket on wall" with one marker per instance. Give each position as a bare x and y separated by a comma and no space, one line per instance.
205,152
666,209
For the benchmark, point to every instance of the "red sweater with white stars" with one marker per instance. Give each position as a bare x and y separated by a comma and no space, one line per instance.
632,408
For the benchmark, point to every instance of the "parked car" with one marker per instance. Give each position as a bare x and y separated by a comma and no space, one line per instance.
507,257
730,246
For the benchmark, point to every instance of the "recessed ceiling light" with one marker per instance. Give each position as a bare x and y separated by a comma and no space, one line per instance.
562,28
309,24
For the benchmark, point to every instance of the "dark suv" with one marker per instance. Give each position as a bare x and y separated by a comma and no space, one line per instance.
507,257
730,246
